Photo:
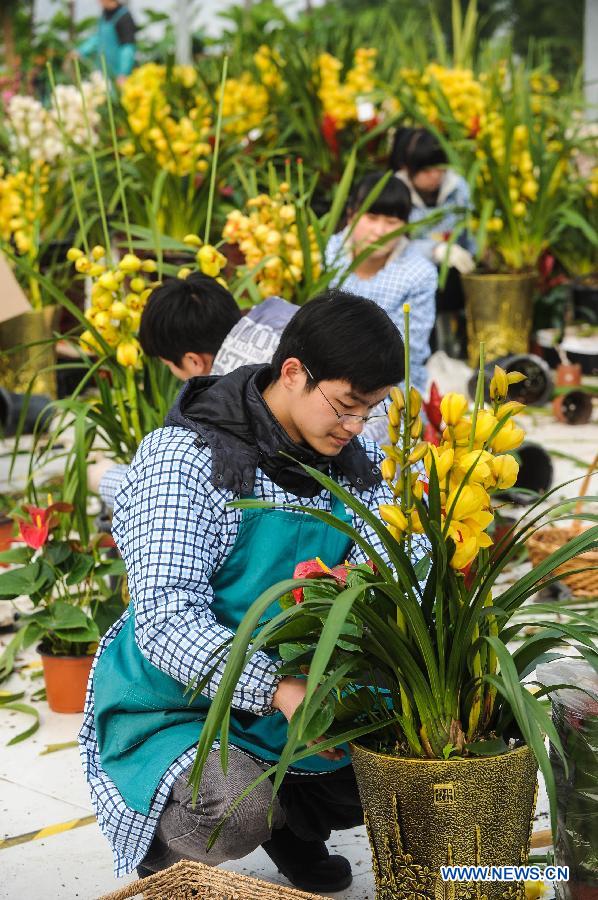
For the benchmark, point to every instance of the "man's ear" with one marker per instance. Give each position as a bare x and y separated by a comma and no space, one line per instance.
195,364
292,374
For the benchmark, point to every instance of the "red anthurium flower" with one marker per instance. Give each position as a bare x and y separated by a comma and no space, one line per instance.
35,535
329,133
311,568
431,435
474,126
432,407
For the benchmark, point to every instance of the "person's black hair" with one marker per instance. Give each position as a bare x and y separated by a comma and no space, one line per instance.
191,315
341,336
415,149
393,200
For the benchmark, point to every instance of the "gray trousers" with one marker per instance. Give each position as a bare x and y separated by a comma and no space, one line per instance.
183,830
310,805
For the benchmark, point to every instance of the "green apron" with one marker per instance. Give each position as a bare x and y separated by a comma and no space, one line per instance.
143,718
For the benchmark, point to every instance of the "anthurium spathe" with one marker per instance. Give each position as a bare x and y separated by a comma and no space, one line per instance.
35,533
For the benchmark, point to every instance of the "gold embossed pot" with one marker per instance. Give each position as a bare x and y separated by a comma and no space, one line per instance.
425,813
498,311
31,333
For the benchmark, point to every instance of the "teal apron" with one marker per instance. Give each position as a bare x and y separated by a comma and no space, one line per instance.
143,718
109,46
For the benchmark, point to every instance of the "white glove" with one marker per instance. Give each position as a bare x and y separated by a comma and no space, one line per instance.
458,258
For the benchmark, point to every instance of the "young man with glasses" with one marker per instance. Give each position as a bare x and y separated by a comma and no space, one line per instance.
194,567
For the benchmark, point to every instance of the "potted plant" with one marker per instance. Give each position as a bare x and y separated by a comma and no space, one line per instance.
74,600
411,661
521,179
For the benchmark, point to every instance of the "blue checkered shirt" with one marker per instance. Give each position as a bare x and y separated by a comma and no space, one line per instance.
174,531
407,277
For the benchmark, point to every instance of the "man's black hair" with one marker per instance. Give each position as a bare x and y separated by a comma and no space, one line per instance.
393,200
338,335
415,149
191,315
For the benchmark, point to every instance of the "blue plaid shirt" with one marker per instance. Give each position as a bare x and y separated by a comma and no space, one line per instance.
407,277
174,531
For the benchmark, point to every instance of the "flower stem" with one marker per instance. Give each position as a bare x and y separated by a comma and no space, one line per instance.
479,395
67,159
94,162
214,172
119,174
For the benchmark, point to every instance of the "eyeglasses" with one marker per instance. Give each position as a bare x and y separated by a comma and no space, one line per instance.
343,418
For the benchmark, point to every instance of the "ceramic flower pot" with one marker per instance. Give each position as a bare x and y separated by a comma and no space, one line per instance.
422,814
498,311
66,681
29,367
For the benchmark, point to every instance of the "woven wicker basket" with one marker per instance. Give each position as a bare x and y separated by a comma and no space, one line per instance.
546,540
193,881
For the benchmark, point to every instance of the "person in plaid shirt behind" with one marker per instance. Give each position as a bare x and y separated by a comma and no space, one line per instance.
392,274
194,567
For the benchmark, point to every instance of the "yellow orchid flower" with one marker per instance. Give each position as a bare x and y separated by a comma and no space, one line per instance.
443,459
508,438
452,407
506,470
465,552
485,425
127,353
388,469
394,516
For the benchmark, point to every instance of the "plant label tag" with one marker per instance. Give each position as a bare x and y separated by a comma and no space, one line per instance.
444,794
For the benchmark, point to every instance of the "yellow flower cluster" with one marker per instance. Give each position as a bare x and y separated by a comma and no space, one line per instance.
268,63
593,183
22,206
268,236
118,296
460,88
245,105
471,462
209,260
523,184
339,100
179,145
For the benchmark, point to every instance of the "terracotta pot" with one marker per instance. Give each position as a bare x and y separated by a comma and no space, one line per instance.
66,680
424,813
6,536
568,375
573,408
498,311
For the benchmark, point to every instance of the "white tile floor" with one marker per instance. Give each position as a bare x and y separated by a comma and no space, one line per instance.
37,791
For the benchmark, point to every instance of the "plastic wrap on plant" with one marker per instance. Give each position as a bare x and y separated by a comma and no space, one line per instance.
575,714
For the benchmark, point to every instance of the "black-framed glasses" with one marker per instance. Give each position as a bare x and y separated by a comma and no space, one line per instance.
344,418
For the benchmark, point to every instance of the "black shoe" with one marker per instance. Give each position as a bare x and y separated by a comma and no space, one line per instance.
307,864
142,872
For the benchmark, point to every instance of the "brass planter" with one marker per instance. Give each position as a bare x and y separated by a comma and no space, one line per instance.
29,365
498,311
425,813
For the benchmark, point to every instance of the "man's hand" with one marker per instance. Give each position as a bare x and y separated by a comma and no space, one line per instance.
288,697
